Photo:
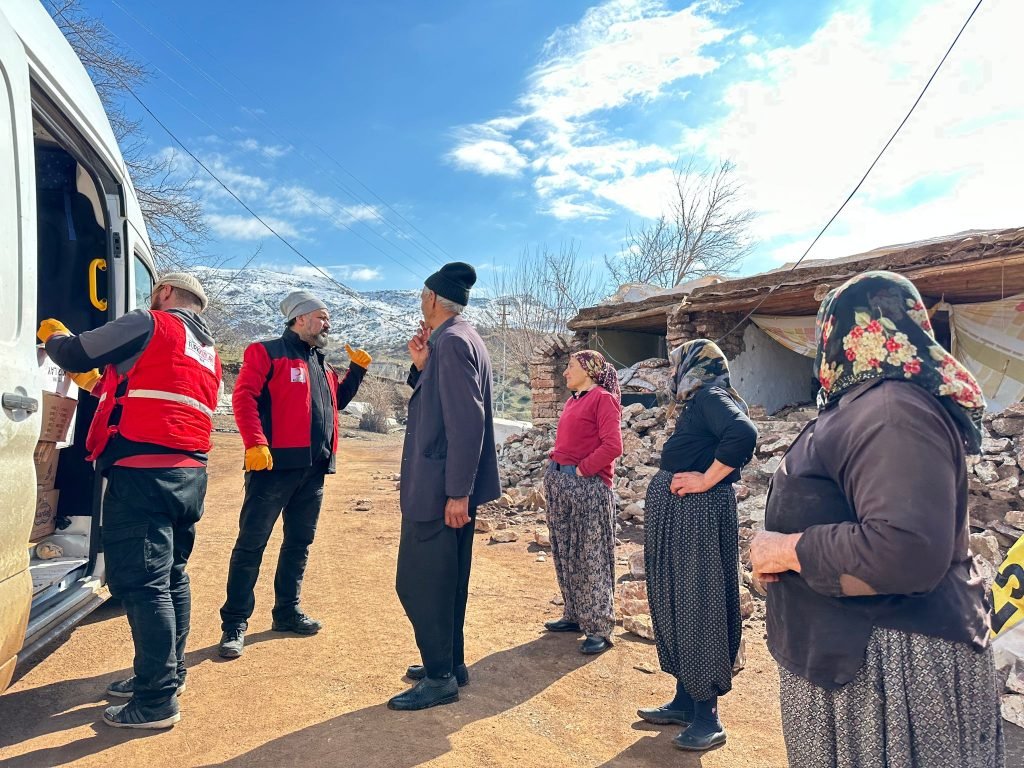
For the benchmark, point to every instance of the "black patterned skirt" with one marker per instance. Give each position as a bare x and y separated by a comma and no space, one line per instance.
918,702
581,521
691,552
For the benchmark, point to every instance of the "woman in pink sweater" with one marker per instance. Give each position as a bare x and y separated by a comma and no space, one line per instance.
580,505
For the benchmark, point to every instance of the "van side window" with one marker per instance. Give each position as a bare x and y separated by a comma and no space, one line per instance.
143,283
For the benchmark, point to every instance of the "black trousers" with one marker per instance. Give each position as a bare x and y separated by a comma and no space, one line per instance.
149,519
295,493
433,585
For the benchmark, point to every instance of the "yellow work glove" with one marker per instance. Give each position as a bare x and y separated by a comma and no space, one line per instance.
49,327
86,380
358,357
258,458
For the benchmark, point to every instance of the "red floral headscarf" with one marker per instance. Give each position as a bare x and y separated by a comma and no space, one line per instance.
875,326
600,371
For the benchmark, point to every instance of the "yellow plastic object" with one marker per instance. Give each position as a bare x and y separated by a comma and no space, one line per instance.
1008,591
94,297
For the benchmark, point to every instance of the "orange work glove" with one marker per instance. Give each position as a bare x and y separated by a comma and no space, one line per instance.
358,357
49,327
258,458
86,380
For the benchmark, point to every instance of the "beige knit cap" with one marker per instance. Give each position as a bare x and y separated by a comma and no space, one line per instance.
186,282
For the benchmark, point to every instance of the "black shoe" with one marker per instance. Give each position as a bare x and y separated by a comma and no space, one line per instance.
699,739
232,643
300,624
562,625
427,693
135,715
665,716
417,672
125,689
595,644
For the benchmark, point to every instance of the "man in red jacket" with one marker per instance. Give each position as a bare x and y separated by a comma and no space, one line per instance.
286,402
150,438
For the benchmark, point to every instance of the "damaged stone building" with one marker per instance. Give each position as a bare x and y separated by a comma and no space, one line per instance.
972,283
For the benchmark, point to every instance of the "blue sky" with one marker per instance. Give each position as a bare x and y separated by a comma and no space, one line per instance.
384,138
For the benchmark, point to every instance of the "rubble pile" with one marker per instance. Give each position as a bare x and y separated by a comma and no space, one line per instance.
996,500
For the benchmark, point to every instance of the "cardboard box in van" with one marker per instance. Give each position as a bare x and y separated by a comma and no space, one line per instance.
46,457
46,514
55,378
58,419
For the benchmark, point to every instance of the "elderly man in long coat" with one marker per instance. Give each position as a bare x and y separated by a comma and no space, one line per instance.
449,467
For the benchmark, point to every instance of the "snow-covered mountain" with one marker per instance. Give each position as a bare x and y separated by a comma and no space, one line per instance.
247,305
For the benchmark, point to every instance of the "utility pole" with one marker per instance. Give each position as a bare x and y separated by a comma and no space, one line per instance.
504,344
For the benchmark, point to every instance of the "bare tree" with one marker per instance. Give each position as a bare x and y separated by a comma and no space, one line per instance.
533,298
173,213
706,231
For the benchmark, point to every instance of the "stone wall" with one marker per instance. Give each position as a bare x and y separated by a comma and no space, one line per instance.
685,326
547,385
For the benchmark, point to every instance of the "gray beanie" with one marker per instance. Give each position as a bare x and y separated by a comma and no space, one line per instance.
186,282
300,303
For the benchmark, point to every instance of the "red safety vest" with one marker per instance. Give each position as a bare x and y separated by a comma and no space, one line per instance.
168,396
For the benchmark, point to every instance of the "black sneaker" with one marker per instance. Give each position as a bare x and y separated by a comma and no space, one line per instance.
135,715
232,642
300,624
125,689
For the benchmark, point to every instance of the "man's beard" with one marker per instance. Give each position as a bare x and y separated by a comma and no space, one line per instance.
320,340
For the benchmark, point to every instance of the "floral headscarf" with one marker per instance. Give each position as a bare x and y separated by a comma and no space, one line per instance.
700,363
875,326
600,371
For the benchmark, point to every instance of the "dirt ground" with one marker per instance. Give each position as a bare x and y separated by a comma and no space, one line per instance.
291,701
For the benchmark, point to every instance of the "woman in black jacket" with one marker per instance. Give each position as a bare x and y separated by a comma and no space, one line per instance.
691,548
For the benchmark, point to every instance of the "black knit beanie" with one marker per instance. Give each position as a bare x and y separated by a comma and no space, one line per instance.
453,281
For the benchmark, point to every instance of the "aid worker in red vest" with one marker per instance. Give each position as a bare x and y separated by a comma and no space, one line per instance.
286,402
150,438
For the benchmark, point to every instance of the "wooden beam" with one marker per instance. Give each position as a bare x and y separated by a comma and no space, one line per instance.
582,324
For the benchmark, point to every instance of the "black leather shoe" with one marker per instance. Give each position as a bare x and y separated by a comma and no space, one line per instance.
665,716
427,693
561,625
595,644
300,624
698,742
417,672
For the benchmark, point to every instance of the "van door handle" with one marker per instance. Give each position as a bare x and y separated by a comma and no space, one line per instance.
15,402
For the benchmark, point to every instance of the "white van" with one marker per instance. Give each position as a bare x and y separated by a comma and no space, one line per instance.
73,246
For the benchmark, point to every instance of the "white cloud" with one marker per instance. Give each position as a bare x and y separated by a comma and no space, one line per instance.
621,54
269,151
486,149
805,130
247,228
296,200
357,273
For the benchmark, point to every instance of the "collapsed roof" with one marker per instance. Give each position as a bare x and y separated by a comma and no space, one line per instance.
974,266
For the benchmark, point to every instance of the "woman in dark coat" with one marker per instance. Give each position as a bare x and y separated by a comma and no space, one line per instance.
692,549
876,616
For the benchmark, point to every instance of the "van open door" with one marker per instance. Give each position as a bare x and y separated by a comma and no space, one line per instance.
19,375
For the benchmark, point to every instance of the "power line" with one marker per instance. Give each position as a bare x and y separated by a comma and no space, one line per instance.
211,79
352,293
863,178
330,216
